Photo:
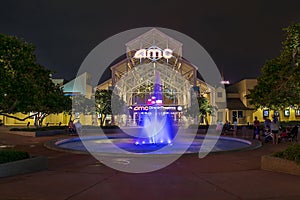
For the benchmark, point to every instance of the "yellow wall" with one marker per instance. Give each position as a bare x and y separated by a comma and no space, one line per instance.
292,117
52,119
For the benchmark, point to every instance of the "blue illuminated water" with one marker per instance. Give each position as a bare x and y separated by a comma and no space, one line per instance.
158,126
103,145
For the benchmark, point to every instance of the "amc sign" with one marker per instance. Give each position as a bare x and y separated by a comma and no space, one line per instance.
147,108
153,53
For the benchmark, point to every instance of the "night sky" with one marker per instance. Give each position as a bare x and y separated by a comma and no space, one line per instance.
239,35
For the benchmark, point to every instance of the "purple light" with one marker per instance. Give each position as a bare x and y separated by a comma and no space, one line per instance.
158,125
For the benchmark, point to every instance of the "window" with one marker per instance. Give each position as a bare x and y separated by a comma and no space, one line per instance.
240,114
220,94
234,113
220,116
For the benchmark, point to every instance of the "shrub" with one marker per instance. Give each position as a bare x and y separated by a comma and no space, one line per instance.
110,127
45,128
196,126
290,153
8,155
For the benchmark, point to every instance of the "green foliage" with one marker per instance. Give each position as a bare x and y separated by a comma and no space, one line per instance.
148,89
104,100
81,104
8,155
204,108
279,85
290,153
25,86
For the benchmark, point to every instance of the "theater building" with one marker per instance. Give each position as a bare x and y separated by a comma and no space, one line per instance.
152,56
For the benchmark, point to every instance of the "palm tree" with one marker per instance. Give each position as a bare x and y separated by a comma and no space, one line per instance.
204,110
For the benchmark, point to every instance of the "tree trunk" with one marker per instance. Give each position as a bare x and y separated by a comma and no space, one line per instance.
71,115
102,119
206,120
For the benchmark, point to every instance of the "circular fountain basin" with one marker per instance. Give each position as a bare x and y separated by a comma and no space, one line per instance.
104,145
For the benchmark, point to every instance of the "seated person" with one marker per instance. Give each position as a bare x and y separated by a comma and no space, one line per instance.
71,127
226,126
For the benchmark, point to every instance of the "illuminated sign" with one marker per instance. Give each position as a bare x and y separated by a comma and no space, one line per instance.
153,53
148,108
266,113
297,113
141,108
287,112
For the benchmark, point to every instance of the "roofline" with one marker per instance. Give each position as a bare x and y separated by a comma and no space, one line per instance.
119,63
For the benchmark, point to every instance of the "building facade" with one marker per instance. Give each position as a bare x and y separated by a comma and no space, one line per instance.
238,105
147,56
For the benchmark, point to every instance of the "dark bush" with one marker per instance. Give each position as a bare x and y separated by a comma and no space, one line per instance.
110,127
48,128
8,155
290,153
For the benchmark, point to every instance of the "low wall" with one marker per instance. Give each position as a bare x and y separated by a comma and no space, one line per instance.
275,164
24,166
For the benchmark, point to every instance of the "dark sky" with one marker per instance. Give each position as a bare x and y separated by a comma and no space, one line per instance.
239,35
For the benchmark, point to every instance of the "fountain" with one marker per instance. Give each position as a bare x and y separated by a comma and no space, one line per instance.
157,133
158,126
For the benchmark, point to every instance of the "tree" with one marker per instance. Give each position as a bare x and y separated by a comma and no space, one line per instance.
81,104
147,89
108,103
204,106
279,86
25,86
103,104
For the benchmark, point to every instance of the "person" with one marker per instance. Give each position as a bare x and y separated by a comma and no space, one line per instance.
267,124
256,125
78,126
226,126
275,129
234,125
219,125
71,127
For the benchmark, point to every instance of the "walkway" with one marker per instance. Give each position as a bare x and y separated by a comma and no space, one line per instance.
229,176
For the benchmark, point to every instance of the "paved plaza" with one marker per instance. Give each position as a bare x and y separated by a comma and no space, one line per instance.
234,175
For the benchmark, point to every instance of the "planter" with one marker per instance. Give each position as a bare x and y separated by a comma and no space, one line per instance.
24,166
275,164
